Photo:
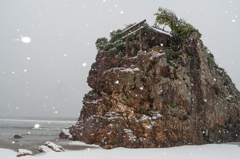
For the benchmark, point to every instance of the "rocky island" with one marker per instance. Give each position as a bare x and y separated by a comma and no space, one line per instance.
172,93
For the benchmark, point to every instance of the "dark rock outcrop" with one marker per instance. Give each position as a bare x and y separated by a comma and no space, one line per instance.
150,101
17,136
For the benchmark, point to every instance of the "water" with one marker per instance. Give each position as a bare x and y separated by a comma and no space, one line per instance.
32,135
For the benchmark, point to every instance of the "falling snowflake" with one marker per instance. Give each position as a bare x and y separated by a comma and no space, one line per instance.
84,64
233,20
55,112
36,126
65,55
121,12
26,39
117,82
28,58
25,70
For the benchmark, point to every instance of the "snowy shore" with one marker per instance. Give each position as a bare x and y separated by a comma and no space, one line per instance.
211,151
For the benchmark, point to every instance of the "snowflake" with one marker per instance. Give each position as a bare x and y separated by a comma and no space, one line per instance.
36,126
26,39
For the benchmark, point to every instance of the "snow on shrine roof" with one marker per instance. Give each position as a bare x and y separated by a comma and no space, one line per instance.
161,31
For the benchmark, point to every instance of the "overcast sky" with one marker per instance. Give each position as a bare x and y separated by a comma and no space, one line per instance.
45,75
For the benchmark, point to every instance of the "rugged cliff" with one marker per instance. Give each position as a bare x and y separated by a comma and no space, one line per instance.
159,98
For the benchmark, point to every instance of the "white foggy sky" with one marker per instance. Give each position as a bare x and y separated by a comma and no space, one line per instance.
46,77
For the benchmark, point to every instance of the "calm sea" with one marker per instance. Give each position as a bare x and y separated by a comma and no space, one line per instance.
33,132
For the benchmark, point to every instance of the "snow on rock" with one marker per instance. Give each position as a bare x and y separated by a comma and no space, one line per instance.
67,133
44,148
54,147
130,134
95,101
24,152
144,118
122,69
156,115
127,70
136,69
161,31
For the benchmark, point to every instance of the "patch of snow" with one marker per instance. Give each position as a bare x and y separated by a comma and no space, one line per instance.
128,130
144,117
158,54
131,136
23,152
44,148
161,31
219,151
122,69
94,101
53,146
136,69
156,115
67,133
128,70
148,126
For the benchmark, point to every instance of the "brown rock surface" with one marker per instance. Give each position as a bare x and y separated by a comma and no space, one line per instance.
148,101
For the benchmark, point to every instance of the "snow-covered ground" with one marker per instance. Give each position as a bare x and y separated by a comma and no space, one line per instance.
210,151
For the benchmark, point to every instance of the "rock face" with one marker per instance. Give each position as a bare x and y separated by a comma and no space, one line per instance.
147,100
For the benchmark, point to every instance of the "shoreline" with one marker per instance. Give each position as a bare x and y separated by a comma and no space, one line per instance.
211,151
72,145
65,143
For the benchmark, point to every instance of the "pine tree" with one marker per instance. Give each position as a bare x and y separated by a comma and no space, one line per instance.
180,28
